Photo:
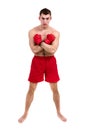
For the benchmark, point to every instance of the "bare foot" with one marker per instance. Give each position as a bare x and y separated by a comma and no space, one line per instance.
62,117
22,118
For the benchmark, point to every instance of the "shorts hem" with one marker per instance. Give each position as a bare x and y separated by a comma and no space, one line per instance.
50,81
35,81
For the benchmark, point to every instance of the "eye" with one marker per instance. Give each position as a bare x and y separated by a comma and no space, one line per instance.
47,18
43,18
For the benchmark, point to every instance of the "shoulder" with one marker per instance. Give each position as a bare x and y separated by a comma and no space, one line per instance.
56,32
32,31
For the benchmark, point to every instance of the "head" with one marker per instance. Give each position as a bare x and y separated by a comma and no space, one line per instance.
45,17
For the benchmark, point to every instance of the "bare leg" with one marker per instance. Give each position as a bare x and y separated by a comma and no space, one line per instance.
29,99
56,98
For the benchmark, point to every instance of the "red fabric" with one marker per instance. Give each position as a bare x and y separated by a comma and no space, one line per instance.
50,38
43,67
37,39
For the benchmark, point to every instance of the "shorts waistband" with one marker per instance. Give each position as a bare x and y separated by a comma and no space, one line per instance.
44,57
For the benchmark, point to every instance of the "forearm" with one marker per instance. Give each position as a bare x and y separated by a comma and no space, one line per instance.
36,49
48,48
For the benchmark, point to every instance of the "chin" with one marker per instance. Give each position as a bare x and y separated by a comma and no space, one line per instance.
45,26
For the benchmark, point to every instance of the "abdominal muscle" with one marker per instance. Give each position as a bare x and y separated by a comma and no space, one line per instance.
43,53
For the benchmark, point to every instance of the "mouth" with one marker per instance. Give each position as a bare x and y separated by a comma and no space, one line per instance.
44,24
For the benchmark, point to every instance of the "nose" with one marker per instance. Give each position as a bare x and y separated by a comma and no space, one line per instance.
45,21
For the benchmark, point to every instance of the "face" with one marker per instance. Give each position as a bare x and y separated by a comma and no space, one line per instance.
45,19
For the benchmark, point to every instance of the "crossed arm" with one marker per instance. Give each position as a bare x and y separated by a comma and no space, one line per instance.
43,46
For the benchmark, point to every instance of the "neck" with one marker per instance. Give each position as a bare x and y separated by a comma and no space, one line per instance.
43,27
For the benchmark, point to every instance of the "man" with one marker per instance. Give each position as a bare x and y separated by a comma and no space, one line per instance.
43,41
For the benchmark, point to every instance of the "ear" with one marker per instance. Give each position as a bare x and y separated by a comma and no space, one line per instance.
39,17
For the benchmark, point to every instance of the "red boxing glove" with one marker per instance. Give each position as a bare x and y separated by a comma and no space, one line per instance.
50,38
37,39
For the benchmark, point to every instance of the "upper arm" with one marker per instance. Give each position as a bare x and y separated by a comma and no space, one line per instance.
54,46
31,42
55,43
35,48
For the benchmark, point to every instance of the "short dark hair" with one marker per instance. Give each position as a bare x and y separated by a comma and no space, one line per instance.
45,11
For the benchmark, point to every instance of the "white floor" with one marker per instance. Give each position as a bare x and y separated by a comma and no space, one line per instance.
42,114
15,59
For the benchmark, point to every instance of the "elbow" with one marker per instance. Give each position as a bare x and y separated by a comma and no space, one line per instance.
35,51
52,51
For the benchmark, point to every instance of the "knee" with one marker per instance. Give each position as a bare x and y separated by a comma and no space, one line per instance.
32,88
55,91
54,88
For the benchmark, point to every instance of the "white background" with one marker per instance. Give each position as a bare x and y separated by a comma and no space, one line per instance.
16,19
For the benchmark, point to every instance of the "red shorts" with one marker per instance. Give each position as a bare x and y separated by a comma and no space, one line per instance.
43,67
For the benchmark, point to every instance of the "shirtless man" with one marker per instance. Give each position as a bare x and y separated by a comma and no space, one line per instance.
43,41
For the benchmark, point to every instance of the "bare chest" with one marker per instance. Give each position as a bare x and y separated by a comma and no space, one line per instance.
44,34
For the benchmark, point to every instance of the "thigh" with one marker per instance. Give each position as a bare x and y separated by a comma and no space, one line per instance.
37,70
53,86
51,74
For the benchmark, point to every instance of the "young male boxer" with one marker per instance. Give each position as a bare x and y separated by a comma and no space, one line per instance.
44,42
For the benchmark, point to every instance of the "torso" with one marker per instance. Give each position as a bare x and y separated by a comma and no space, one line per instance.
44,33
43,53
